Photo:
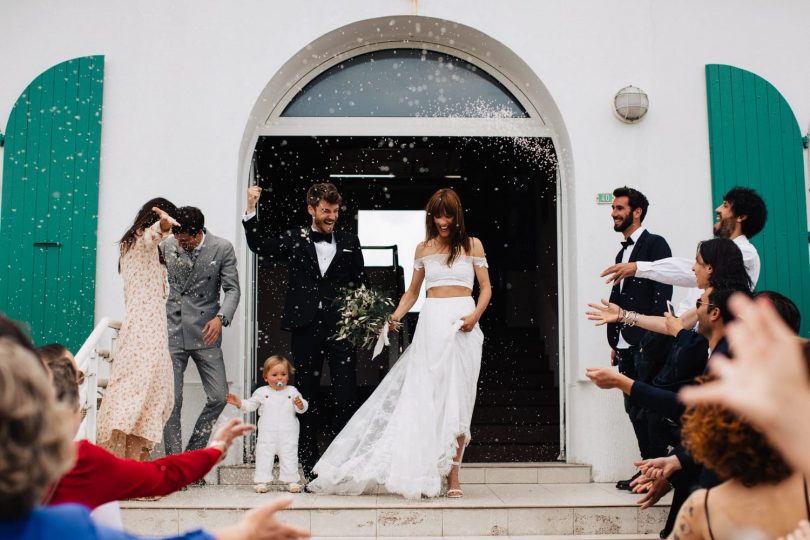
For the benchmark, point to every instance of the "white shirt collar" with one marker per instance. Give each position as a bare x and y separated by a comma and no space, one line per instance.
200,245
636,234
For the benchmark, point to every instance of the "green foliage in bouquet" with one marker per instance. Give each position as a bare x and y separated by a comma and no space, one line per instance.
363,312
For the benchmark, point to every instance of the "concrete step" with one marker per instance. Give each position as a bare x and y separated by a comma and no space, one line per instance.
471,473
519,510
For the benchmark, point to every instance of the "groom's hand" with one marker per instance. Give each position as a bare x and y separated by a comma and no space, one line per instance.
212,330
253,194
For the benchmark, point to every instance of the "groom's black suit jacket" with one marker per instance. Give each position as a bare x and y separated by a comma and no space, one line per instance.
307,287
638,294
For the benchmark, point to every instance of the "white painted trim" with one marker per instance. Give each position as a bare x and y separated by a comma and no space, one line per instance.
328,63
433,127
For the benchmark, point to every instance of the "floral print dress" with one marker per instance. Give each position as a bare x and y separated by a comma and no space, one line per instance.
140,393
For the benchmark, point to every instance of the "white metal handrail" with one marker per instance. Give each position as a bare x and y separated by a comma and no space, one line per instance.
87,359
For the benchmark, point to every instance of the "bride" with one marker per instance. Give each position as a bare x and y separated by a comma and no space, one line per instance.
412,431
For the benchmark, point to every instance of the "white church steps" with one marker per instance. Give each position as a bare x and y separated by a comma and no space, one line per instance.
520,510
471,473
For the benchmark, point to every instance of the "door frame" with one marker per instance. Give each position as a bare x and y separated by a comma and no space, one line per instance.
460,41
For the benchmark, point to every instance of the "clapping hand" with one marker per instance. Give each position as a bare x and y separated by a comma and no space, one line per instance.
662,467
655,490
166,221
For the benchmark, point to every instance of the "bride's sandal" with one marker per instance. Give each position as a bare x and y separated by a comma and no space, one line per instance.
455,493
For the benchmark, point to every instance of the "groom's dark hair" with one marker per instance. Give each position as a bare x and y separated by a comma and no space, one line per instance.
191,220
323,192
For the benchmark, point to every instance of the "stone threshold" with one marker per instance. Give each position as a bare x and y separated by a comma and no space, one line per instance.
485,510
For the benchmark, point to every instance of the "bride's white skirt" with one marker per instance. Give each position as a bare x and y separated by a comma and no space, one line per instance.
405,435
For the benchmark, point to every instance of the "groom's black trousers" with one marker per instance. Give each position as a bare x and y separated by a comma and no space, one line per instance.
311,346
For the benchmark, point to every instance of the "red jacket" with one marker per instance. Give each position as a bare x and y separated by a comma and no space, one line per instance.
98,477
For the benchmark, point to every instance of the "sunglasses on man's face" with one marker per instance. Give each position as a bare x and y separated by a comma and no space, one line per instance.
702,303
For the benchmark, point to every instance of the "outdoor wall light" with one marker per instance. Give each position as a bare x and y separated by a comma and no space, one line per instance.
631,104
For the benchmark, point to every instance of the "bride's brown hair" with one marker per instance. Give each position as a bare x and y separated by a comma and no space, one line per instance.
446,202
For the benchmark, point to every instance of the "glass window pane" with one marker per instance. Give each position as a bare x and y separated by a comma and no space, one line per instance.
405,82
405,228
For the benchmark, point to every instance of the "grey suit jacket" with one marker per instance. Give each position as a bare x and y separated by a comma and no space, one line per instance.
194,300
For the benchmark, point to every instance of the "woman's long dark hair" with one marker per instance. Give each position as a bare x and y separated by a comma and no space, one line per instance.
146,217
728,268
446,202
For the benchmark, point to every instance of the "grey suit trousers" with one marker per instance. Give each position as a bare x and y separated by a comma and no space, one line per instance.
211,367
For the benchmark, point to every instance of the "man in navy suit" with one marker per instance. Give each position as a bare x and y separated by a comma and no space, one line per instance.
644,296
321,261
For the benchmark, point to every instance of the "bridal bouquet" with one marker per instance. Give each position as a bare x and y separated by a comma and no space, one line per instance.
363,313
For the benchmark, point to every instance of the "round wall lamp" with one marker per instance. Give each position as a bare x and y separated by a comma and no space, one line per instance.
631,104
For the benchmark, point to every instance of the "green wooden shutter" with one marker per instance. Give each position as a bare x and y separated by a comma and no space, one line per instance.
755,142
49,207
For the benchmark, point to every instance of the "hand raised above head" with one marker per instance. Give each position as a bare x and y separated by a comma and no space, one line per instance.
166,221
253,195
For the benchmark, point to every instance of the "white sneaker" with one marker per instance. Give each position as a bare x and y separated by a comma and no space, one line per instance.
261,488
294,488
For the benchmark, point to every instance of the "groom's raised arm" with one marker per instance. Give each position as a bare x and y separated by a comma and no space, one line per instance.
259,243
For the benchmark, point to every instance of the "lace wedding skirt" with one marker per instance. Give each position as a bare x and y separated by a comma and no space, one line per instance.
405,435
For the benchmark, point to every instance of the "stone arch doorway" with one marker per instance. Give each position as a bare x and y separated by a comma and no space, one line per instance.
315,120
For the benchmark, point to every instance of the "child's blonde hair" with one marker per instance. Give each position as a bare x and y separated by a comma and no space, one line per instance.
273,361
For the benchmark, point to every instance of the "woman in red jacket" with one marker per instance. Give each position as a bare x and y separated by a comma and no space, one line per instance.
99,477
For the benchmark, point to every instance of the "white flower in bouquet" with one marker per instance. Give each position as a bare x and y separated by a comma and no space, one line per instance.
363,312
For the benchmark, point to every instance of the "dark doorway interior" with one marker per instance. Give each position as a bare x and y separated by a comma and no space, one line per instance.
508,187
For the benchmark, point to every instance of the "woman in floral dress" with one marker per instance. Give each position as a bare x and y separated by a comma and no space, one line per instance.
140,393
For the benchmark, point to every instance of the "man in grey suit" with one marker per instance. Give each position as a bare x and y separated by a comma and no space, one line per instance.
199,265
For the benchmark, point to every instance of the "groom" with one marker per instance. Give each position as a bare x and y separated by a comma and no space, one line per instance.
321,261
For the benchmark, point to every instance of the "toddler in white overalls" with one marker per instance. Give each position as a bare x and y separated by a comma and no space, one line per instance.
278,405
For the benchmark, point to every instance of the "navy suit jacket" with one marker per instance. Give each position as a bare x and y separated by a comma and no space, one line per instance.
644,296
307,288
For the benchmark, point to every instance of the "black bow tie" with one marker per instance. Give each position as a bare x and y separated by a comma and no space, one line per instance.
320,237
627,243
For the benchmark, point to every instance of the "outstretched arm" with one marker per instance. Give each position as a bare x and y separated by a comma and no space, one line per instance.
608,312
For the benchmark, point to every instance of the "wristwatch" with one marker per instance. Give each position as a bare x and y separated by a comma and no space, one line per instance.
224,319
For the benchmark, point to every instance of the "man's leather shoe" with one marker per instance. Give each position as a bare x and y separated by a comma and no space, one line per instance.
625,484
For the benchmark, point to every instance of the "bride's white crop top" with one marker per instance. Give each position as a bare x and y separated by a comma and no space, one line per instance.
439,274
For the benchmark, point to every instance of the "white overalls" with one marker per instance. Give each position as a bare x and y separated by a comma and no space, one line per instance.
278,432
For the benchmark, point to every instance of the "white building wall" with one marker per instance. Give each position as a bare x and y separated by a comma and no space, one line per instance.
182,77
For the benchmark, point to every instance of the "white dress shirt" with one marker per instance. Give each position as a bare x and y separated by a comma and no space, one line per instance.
678,271
324,250
622,343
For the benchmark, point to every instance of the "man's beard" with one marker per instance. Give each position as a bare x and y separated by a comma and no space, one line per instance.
625,224
320,225
725,227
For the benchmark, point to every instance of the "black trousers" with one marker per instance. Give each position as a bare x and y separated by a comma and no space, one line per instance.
312,347
652,437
